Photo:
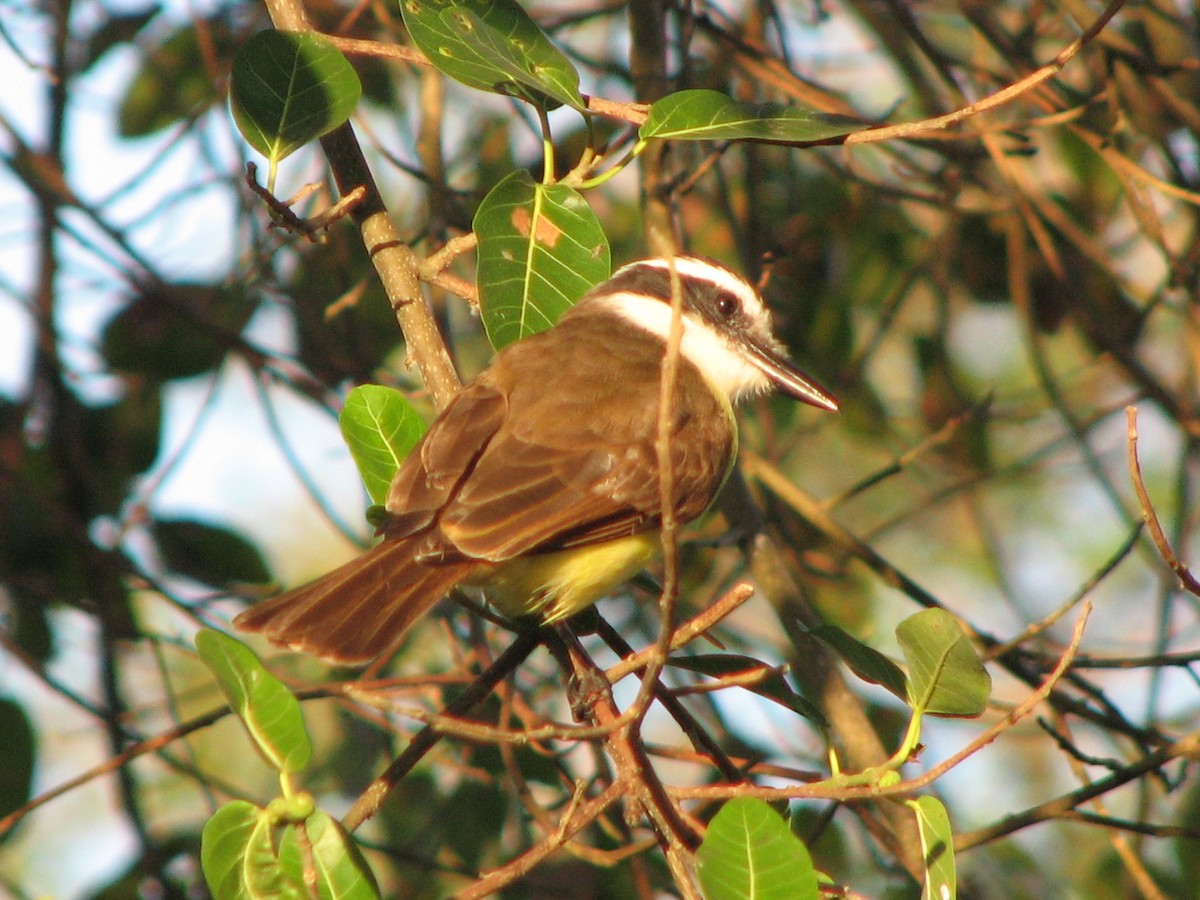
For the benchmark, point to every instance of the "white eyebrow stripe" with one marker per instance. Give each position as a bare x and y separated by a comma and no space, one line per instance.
701,270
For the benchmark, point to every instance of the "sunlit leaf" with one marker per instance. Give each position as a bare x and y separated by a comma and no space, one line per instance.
492,45
937,846
945,675
749,853
379,426
540,249
289,88
268,709
238,857
342,871
701,115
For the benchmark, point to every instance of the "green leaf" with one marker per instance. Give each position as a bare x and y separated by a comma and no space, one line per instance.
115,30
268,709
118,441
541,248
492,45
208,553
945,675
39,554
174,83
289,88
697,115
749,853
339,342
377,516
475,817
772,685
342,871
866,662
238,858
1183,846
380,427
17,752
122,439
175,331
937,847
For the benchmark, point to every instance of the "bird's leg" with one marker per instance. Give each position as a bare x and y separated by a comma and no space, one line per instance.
586,684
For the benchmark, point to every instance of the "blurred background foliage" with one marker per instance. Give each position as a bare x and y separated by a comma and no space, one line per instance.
984,300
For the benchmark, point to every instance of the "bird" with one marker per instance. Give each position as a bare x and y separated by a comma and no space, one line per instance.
539,482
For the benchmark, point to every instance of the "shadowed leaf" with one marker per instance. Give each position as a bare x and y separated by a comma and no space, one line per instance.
290,88
208,553
865,662
772,684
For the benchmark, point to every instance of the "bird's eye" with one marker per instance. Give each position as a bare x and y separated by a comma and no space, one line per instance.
728,305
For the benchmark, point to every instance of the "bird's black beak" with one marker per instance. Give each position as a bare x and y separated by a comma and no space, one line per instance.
785,375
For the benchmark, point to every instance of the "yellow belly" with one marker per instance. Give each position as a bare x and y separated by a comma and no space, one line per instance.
558,585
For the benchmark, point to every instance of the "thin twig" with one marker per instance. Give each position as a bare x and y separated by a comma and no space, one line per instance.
309,228
372,798
578,817
1149,516
909,130
857,792
393,259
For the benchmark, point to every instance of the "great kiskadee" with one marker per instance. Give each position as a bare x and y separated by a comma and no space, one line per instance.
540,481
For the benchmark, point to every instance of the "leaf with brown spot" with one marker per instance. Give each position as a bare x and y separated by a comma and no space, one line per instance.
541,248
547,232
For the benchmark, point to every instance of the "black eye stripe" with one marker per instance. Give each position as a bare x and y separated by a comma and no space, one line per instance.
706,286
657,283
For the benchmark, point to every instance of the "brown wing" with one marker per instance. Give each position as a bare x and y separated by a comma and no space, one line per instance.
518,463
433,473
522,462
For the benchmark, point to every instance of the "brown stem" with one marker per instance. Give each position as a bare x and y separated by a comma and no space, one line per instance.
393,259
1149,515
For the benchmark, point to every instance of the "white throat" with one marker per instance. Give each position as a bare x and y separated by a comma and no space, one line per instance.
720,364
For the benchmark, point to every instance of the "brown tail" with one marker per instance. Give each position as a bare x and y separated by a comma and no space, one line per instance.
359,610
